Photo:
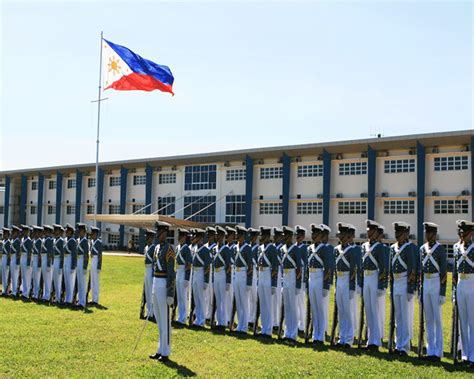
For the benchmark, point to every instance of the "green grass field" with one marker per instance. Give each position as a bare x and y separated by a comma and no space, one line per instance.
38,341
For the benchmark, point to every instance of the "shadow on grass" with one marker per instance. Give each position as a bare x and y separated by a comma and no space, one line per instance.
180,369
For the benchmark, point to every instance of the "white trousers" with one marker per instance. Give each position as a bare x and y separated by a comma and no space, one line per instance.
290,304
276,302
69,278
47,273
301,307
465,298
433,318
162,315
95,280
208,294
265,300
241,299
402,314
345,309
199,296
81,281
182,294
230,297
57,279
319,305
148,283
36,276
221,297
371,307
25,275
5,271
14,273
253,297
381,314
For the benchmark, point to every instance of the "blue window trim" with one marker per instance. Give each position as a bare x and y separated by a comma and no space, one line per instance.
148,192
472,178
286,160
39,217
100,194
371,179
6,201
78,195
59,196
420,190
23,199
248,191
123,202
326,186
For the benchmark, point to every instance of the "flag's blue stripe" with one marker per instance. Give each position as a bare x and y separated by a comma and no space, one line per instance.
143,66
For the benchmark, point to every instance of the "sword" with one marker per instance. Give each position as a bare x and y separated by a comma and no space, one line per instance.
141,333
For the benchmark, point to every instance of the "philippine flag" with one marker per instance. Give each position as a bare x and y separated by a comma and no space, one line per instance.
126,71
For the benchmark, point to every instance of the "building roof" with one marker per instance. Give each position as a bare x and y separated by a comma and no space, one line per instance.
460,137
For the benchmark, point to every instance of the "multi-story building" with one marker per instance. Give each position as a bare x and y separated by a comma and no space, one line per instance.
412,178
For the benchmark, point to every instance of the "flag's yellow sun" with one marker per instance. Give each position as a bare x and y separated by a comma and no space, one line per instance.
113,65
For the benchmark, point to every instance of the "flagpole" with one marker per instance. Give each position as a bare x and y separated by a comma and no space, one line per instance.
98,129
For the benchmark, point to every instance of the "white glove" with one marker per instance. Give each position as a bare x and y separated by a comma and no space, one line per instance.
410,297
186,284
249,288
380,293
205,286
298,291
169,301
358,290
442,300
72,271
227,287
273,290
325,293
351,295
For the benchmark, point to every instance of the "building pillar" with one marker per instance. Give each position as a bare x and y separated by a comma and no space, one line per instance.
23,194
148,193
326,186
123,202
248,191
371,176
472,178
59,196
78,196
100,194
39,214
286,160
420,190
6,201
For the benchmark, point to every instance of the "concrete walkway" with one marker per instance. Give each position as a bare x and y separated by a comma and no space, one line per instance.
122,254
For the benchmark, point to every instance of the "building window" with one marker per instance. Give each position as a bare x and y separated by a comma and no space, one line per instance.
307,171
396,166
167,178
309,208
33,210
271,172
200,208
2,209
90,209
52,184
114,209
451,206
113,239
268,208
34,185
70,209
139,180
166,205
235,209
353,168
51,209
114,181
352,207
399,207
71,183
90,182
136,240
452,163
235,174
200,177
138,209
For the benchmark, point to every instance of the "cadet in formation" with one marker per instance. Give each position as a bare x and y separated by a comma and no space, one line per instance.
184,260
69,264
26,247
148,252
201,275
47,261
38,232
6,248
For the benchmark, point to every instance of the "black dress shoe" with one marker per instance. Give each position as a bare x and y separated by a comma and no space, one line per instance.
402,353
155,356
163,358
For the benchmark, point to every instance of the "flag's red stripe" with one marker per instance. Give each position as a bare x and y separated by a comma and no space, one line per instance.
141,82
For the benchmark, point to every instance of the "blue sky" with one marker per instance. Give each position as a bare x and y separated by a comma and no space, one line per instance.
247,74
